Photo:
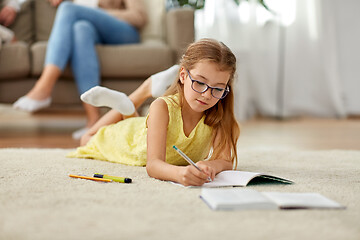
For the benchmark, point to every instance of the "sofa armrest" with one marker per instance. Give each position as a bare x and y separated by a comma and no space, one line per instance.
180,30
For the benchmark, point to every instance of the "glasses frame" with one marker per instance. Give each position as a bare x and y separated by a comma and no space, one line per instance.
226,90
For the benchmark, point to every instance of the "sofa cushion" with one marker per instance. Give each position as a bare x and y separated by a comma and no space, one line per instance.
14,61
23,25
44,19
135,60
156,17
117,61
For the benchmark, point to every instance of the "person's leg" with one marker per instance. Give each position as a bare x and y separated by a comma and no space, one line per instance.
142,93
104,97
92,116
57,55
100,96
162,80
119,101
39,96
85,65
87,32
58,51
106,25
43,87
60,44
84,60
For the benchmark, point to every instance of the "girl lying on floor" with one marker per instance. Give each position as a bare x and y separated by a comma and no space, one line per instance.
196,114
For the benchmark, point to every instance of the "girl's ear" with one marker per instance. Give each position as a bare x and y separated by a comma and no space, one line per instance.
182,75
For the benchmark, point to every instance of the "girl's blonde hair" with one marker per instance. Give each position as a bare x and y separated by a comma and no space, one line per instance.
221,116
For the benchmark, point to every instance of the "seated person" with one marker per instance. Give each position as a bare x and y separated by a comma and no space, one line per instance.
76,31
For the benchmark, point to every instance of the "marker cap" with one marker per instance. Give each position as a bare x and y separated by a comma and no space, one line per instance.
127,180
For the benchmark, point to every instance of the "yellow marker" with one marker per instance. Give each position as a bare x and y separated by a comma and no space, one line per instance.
91,178
115,179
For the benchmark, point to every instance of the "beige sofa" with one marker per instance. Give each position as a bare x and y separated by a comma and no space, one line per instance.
123,67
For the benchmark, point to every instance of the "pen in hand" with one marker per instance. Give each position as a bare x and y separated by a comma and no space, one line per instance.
189,160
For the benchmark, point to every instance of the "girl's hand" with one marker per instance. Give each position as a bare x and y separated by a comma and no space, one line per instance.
190,176
207,169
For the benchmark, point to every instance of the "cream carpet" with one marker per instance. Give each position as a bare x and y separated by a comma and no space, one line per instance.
39,201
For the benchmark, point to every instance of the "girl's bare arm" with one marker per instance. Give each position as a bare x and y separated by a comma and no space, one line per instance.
222,163
156,166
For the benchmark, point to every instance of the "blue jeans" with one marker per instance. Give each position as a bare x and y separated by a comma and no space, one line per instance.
76,31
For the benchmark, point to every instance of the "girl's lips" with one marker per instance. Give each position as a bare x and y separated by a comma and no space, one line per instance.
201,102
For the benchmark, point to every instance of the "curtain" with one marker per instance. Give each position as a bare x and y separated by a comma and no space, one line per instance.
347,25
287,60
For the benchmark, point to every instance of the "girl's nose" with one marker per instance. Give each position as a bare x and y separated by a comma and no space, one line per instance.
207,93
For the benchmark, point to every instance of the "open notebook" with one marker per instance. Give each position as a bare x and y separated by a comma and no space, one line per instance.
242,179
246,199
233,178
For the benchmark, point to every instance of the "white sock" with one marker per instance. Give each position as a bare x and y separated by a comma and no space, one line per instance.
104,97
6,35
162,80
31,105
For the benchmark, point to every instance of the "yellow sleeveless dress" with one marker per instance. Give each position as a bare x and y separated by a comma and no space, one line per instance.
125,142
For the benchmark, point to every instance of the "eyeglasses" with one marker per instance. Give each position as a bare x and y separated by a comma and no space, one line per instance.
202,87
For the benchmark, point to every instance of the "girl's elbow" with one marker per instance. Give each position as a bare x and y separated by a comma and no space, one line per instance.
150,169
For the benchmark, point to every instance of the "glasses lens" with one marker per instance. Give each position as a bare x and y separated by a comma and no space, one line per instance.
199,86
218,92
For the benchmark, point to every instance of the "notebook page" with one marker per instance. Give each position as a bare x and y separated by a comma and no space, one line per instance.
231,178
301,200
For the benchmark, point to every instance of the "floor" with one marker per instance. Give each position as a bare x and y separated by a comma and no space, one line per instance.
302,134
52,129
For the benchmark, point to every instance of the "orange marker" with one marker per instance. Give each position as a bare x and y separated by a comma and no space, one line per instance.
91,178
